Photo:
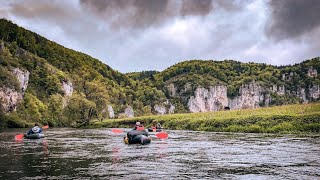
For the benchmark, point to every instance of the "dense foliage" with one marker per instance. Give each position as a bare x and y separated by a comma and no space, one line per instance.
96,85
234,74
281,119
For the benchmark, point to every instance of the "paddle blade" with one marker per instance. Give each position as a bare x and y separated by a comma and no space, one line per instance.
117,130
45,127
162,135
19,136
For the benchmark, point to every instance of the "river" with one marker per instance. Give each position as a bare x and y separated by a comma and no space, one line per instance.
101,154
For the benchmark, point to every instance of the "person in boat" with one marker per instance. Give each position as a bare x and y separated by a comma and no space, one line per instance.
138,130
36,129
156,127
139,126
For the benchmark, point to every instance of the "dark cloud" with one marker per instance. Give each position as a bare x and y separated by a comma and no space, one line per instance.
292,18
200,7
145,13
136,35
32,9
133,13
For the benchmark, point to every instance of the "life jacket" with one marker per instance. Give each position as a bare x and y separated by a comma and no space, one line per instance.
36,129
140,128
154,129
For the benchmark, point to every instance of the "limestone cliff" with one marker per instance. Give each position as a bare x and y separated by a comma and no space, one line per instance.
164,108
212,99
9,98
67,88
250,96
22,77
129,112
111,112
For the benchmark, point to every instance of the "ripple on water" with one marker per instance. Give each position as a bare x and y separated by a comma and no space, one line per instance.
100,154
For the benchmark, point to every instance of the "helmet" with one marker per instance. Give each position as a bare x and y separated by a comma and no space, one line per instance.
138,123
36,129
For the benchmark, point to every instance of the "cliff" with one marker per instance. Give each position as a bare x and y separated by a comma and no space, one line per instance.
46,82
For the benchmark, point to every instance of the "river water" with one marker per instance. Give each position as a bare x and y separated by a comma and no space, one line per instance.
100,154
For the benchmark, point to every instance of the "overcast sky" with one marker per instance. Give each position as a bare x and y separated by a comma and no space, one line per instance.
136,35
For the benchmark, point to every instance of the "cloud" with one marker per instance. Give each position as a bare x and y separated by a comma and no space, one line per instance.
292,18
138,35
201,8
141,14
133,13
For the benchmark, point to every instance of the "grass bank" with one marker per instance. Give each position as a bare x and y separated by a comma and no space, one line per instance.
299,118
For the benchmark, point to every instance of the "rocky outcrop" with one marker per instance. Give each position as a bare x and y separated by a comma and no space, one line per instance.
67,88
312,72
314,92
215,98
171,109
250,97
302,95
166,108
129,112
159,109
280,90
172,90
22,77
9,98
212,99
111,112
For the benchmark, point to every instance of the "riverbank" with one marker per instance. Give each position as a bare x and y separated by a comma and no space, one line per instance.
299,118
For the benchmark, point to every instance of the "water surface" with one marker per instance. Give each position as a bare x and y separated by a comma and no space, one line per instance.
100,154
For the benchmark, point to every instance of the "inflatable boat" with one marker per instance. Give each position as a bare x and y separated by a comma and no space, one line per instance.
137,137
34,136
154,130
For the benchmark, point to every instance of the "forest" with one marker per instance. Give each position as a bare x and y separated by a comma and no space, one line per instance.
97,86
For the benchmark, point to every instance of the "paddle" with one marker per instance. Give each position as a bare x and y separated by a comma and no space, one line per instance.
117,130
20,136
162,135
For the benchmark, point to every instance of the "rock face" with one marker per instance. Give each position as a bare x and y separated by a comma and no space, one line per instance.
172,90
159,109
111,112
250,97
205,100
314,92
167,108
312,72
215,99
9,98
302,95
67,88
171,109
129,112
279,90
22,77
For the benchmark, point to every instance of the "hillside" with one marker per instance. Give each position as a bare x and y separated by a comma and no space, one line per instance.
59,85
46,82
200,86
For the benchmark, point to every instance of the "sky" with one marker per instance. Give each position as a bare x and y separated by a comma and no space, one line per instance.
142,35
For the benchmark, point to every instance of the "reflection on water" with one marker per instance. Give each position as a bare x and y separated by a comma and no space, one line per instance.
101,154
